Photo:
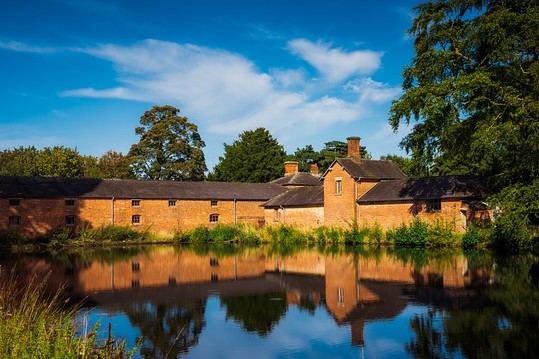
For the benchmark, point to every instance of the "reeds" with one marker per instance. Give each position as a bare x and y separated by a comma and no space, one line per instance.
34,324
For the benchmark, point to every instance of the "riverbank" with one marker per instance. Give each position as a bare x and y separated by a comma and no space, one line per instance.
34,324
438,234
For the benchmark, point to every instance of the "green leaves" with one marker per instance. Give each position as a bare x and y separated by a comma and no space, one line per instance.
255,157
169,148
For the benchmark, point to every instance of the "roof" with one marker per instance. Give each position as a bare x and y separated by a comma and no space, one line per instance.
370,169
298,197
299,179
52,187
457,187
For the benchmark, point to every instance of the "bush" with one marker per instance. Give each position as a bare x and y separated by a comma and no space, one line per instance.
441,234
413,235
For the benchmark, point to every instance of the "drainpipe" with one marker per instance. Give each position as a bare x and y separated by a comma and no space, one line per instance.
235,216
355,199
112,211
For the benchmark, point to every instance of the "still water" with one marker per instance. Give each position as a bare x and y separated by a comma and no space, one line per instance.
280,302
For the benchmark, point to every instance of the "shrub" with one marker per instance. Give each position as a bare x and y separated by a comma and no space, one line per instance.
441,234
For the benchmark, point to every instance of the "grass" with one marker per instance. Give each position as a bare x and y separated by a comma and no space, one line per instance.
439,234
34,324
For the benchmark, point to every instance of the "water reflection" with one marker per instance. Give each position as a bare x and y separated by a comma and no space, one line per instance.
441,304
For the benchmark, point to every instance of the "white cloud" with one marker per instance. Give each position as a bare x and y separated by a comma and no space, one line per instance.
335,63
22,47
227,94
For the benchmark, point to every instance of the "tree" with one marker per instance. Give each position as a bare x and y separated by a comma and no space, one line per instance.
405,164
21,161
59,161
114,165
337,149
473,89
169,148
255,157
305,157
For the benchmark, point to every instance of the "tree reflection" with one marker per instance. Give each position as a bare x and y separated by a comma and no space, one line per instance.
505,328
167,329
256,313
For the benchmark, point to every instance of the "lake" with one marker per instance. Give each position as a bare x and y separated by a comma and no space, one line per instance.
224,301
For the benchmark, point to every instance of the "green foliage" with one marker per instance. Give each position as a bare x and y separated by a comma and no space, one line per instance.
34,324
114,165
516,226
305,157
476,237
169,148
414,234
409,166
472,89
441,234
255,157
269,309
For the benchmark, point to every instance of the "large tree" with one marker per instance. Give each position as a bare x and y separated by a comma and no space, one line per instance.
169,148
255,157
473,91
473,88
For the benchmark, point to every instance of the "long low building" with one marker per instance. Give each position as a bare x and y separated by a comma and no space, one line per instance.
352,190
36,205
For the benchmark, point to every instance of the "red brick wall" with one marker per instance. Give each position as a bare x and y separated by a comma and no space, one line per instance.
305,218
392,215
38,216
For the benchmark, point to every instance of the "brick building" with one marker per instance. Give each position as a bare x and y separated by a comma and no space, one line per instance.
352,190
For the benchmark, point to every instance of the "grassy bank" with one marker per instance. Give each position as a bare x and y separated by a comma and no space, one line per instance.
34,324
438,234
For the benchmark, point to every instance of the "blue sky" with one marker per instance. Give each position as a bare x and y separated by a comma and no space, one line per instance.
80,73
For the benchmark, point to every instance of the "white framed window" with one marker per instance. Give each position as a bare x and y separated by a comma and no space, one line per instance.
214,218
172,203
135,203
340,296
135,219
69,202
214,203
338,186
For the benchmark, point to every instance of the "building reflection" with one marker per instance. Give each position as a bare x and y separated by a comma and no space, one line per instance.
164,290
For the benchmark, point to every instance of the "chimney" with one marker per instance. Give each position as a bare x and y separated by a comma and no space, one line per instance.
290,168
354,151
314,169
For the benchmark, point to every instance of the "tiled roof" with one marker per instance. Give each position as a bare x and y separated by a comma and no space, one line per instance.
470,187
299,179
375,169
50,187
299,197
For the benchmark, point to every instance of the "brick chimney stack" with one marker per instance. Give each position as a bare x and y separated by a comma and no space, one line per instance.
354,149
291,167
314,169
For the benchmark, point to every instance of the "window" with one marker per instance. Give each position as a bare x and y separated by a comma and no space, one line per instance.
340,296
338,186
14,221
70,220
214,218
214,277
171,280
214,261
14,202
434,205
276,212
135,203
172,203
135,219
135,283
135,266
70,202
214,202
